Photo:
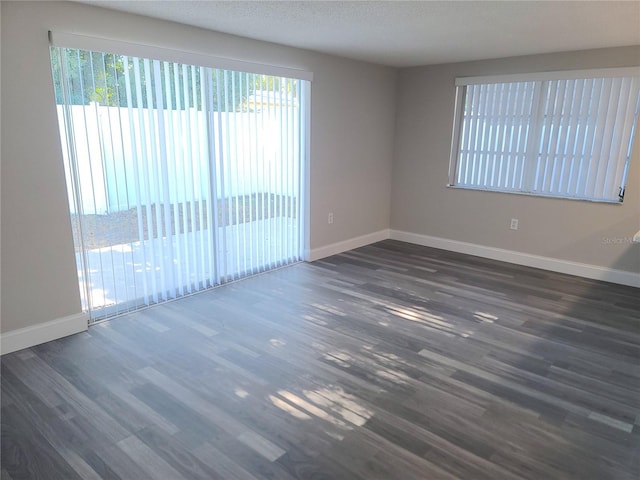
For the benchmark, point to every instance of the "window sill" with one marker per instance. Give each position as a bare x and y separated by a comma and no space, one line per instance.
536,195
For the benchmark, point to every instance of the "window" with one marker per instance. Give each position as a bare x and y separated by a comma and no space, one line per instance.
558,134
180,176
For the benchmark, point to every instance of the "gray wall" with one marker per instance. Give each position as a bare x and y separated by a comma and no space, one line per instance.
590,233
352,127
356,171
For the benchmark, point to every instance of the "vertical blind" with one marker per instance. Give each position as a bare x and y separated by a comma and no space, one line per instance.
180,177
568,137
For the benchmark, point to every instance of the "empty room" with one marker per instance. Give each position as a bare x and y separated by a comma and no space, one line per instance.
320,240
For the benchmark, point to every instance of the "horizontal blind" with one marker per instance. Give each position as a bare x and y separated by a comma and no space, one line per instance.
181,177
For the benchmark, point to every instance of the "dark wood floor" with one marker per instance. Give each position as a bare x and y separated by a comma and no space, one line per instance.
392,361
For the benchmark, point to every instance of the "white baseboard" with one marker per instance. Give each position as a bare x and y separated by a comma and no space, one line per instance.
345,245
546,263
62,327
43,332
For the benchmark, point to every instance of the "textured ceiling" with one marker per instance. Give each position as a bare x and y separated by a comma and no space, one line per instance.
402,34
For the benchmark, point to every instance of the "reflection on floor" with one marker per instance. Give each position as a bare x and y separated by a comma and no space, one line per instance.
392,361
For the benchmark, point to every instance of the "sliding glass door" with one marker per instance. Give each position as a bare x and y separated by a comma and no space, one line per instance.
180,177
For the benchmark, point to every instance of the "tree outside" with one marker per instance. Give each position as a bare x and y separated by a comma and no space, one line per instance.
88,77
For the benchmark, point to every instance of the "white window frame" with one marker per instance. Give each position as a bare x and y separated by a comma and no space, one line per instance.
536,115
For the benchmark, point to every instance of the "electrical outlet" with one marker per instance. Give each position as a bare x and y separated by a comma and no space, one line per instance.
330,218
514,224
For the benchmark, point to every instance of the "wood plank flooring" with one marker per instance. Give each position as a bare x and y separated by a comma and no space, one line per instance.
392,361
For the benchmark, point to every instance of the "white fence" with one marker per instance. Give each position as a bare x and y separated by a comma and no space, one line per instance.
127,157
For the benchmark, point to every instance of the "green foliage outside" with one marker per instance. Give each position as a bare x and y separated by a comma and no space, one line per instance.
103,78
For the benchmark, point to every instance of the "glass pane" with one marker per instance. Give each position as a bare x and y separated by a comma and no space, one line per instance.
180,177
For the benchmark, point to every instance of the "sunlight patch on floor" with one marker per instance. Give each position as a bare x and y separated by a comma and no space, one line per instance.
329,309
340,358
240,392
485,317
311,408
291,410
336,400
